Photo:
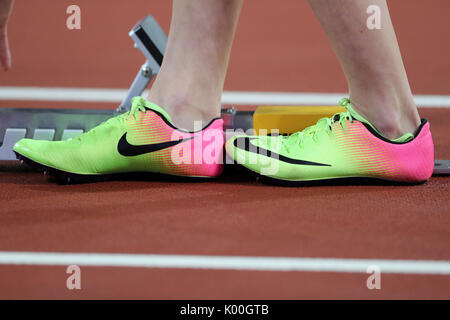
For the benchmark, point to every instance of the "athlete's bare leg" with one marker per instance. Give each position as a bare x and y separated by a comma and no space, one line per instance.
190,83
372,63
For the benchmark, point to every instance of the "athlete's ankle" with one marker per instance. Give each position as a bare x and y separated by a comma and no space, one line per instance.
391,117
191,118
187,112
395,126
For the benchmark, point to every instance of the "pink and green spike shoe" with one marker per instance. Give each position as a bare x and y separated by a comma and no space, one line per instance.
143,140
346,146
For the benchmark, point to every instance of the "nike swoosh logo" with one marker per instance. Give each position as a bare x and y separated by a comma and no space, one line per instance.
129,150
245,145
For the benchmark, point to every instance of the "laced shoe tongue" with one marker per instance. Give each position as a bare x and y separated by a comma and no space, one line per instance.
355,115
152,106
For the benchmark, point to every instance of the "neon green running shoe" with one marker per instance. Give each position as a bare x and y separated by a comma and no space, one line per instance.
346,146
143,140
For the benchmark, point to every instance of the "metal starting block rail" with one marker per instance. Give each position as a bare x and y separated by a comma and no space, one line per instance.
151,40
61,124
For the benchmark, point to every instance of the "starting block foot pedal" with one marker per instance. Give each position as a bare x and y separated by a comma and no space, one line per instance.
289,119
441,167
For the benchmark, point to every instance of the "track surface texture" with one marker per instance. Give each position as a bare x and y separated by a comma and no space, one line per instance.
277,48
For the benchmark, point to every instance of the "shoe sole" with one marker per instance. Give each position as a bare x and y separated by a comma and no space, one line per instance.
64,177
328,182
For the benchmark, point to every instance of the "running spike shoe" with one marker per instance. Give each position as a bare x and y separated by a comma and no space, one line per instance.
143,140
345,146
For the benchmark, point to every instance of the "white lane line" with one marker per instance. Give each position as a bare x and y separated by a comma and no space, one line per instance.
224,262
324,99
62,94
229,97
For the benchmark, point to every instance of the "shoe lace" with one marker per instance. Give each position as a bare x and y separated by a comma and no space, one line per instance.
138,104
324,124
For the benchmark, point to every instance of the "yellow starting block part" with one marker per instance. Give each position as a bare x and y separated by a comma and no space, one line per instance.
289,119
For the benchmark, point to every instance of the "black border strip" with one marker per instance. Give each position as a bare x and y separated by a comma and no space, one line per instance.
149,44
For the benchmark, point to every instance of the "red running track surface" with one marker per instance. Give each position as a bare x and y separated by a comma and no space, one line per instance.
277,48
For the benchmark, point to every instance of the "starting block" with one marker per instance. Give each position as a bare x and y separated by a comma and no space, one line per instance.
60,124
288,120
150,39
